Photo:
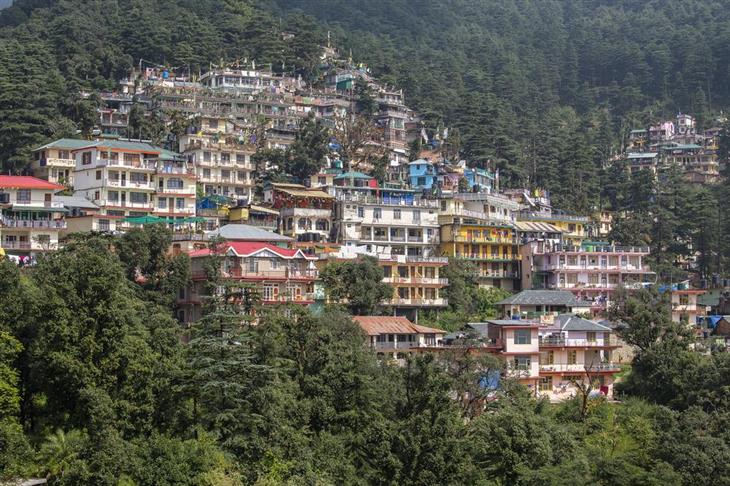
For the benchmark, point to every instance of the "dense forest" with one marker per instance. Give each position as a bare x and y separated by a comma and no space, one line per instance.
98,386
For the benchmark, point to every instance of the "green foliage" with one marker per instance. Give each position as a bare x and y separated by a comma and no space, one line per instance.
358,284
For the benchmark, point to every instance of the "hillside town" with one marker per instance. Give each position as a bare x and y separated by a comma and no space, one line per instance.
209,185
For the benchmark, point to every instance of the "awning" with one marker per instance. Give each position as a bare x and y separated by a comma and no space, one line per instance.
533,227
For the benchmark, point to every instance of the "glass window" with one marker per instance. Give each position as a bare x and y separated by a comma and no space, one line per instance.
162,203
523,336
591,337
174,183
546,383
180,203
23,196
377,213
572,357
522,362
360,212
396,214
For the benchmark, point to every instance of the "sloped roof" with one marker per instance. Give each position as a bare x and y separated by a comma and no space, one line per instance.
245,232
64,143
420,161
122,145
304,193
544,297
27,182
76,202
353,175
537,226
375,325
568,322
246,249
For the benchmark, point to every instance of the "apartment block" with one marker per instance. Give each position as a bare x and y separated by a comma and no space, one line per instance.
575,351
575,228
392,222
592,271
480,227
220,151
30,216
304,214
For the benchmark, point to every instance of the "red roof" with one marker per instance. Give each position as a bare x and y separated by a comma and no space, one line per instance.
26,182
375,325
249,248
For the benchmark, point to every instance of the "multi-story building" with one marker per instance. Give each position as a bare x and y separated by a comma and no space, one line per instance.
542,305
388,221
30,216
175,190
395,337
392,117
117,176
220,151
636,161
422,175
55,161
517,342
281,275
593,271
304,214
480,227
575,351
699,165
685,307
575,228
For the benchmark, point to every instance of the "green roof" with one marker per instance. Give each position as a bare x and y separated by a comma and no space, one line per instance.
65,143
169,155
353,175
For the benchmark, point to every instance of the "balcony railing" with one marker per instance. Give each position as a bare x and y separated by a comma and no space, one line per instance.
577,342
536,215
440,302
581,368
306,212
472,239
129,184
238,272
55,162
416,280
40,224
602,249
143,165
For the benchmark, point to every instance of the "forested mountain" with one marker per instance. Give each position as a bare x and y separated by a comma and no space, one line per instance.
544,87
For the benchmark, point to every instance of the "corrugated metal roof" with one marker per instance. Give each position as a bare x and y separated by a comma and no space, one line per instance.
544,297
305,193
533,226
122,145
27,182
245,232
76,202
65,143
375,325
570,322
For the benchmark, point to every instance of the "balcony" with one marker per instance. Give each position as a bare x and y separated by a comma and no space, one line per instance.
489,258
536,215
602,249
580,368
416,280
323,213
33,224
471,239
282,274
388,345
29,245
147,206
54,162
123,183
419,302
30,204
561,342
125,164
499,275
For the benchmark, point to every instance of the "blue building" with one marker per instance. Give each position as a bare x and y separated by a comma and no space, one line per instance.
421,174
482,179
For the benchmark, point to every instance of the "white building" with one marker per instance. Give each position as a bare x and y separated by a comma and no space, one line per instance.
393,223
30,217
55,161
220,150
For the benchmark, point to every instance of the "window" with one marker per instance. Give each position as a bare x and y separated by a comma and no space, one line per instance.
63,154
180,203
23,196
98,175
206,156
162,203
103,225
274,264
684,299
591,337
421,181
213,124
138,197
271,292
547,358
225,174
523,336
377,213
321,181
360,212
572,357
241,175
86,158
396,214
138,178
387,271
416,216
546,383
206,173
174,183
113,196
522,362
225,157
253,265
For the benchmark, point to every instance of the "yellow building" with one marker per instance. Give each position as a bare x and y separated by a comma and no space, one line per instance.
488,240
575,228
